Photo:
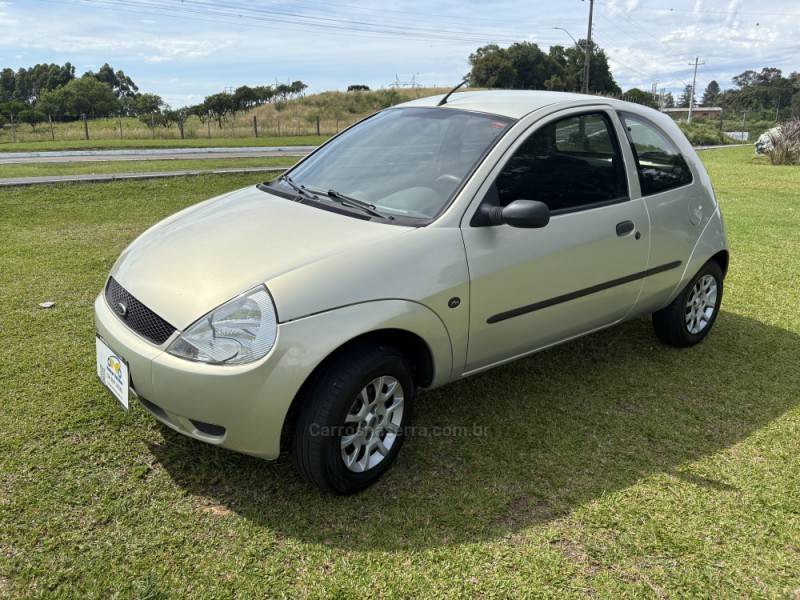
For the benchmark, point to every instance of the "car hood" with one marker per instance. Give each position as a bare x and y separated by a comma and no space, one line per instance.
199,258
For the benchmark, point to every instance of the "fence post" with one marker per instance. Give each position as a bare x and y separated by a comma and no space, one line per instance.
85,126
337,125
152,126
52,133
119,126
208,123
255,125
317,124
279,128
13,129
180,123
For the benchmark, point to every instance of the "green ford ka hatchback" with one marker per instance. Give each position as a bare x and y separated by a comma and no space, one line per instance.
429,242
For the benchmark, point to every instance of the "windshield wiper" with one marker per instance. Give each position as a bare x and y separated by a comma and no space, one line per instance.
356,203
302,191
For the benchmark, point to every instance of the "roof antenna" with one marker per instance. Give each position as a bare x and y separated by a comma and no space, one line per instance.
444,100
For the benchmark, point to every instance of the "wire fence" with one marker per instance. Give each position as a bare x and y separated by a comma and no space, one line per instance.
127,128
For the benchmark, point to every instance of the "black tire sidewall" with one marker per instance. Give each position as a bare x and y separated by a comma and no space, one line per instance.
338,477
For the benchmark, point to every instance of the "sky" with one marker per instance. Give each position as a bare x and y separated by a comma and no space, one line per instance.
184,50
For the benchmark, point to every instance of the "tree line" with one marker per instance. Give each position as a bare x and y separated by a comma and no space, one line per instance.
524,65
50,92
767,92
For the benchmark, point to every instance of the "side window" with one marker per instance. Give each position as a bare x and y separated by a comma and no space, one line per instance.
659,162
567,164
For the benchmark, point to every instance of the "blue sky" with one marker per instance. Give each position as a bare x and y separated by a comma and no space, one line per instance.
187,50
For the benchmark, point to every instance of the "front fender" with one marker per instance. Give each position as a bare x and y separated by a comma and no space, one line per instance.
309,340
304,343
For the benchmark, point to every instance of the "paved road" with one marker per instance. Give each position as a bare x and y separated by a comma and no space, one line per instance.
161,154
25,181
719,146
68,156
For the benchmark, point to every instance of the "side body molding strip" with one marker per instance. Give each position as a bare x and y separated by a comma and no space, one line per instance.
522,310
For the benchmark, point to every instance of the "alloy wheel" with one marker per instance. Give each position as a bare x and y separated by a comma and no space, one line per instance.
701,304
372,424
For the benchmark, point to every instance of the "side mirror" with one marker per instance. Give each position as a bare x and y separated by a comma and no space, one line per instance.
519,213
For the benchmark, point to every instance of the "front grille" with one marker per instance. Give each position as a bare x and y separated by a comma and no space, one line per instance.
136,315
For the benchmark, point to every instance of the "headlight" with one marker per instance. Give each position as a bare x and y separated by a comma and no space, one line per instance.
240,331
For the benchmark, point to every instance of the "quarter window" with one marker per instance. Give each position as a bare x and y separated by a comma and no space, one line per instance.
659,162
568,164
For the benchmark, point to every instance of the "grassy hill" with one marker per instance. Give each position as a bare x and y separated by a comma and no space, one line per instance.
297,117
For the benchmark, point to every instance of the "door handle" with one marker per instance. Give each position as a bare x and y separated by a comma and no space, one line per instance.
624,228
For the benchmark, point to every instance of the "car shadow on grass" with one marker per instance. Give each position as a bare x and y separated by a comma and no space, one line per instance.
525,443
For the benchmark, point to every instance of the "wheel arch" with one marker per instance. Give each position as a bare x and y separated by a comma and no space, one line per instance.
722,258
414,348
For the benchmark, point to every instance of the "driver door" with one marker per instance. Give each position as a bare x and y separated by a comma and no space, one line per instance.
531,288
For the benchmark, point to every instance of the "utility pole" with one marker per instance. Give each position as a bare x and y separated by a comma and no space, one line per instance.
696,63
587,61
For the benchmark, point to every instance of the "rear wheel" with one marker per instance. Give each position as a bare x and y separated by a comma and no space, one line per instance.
350,427
689,318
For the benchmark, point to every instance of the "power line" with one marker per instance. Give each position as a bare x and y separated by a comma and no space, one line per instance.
238,12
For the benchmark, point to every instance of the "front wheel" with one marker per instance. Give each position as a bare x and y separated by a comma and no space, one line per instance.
350,427
689,318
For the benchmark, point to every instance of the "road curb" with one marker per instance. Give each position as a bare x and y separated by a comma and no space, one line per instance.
106,177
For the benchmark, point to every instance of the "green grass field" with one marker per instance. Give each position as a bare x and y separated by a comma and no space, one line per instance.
612,466
117,144
139,166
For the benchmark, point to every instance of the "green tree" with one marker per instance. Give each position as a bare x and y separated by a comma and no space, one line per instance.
520,66
264,93
148,108
32,117
524,66
711,94
297,87
27,84
245,97
683,101
669,100
491,67
51,103
122,85
641,97
90,97
765,91
7,84
11,109
219,106
147,104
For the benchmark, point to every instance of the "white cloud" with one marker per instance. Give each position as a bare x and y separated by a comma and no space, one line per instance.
152,50
184,58
6,15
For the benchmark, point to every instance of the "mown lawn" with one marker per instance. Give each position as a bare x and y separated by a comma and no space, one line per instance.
612,466
199,142
139,166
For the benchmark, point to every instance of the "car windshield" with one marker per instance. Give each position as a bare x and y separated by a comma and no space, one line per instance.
406,162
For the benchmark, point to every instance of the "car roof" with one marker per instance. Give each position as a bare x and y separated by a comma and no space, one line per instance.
510,103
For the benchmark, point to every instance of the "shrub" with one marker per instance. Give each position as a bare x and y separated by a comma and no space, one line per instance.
704,134
786,144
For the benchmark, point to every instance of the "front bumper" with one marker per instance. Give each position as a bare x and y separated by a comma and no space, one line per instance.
239,407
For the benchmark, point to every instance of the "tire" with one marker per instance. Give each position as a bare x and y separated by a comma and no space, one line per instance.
674,325
333,412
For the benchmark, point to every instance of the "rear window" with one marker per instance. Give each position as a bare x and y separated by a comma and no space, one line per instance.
659,163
